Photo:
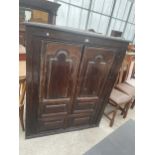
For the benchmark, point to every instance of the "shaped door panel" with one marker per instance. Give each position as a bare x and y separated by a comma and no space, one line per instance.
59,68
94,70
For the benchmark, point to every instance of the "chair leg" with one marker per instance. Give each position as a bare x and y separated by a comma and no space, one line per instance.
113,117
127,106
121,109
21,111
133,104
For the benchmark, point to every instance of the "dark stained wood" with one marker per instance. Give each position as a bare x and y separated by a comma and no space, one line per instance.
42,5
60,64
70,75
21,34
59,68
95,67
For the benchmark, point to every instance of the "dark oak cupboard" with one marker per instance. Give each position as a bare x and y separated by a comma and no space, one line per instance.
69,76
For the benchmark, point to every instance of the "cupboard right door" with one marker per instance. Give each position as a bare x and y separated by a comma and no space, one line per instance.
94,69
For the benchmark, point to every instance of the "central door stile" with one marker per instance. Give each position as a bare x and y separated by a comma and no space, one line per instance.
74,97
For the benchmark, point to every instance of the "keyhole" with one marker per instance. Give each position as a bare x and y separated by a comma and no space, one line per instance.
47,34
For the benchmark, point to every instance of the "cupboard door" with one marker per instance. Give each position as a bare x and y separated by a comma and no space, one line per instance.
95,66
59,67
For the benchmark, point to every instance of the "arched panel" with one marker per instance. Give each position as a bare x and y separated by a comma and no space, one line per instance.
59,68
94,71
58,76
60,64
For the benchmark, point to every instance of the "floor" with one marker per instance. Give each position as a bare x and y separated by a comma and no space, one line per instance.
73,143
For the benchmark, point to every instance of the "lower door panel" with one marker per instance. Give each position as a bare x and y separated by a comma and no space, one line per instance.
80,119
51,123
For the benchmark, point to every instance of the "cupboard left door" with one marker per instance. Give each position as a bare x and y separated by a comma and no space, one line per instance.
59,64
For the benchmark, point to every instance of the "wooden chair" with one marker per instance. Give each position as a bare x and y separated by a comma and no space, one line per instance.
22,83
127,85
22,91
117,101
129,90
131,82
122,95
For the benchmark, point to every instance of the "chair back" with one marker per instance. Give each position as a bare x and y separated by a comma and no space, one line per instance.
126,69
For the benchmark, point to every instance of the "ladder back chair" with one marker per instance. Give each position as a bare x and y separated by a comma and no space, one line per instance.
22,91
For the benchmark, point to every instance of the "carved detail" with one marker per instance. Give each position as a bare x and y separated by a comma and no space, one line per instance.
62,55
99,59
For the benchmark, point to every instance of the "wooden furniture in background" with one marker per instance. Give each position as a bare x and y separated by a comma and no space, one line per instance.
42,11
127,68
22,53
131,47
39,16
125,82
128,89
117,101
42,5
21,34
70,75
22,69
123,94
130,58
22,90
131,82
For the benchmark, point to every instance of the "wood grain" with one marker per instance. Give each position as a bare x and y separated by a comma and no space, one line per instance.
68,80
